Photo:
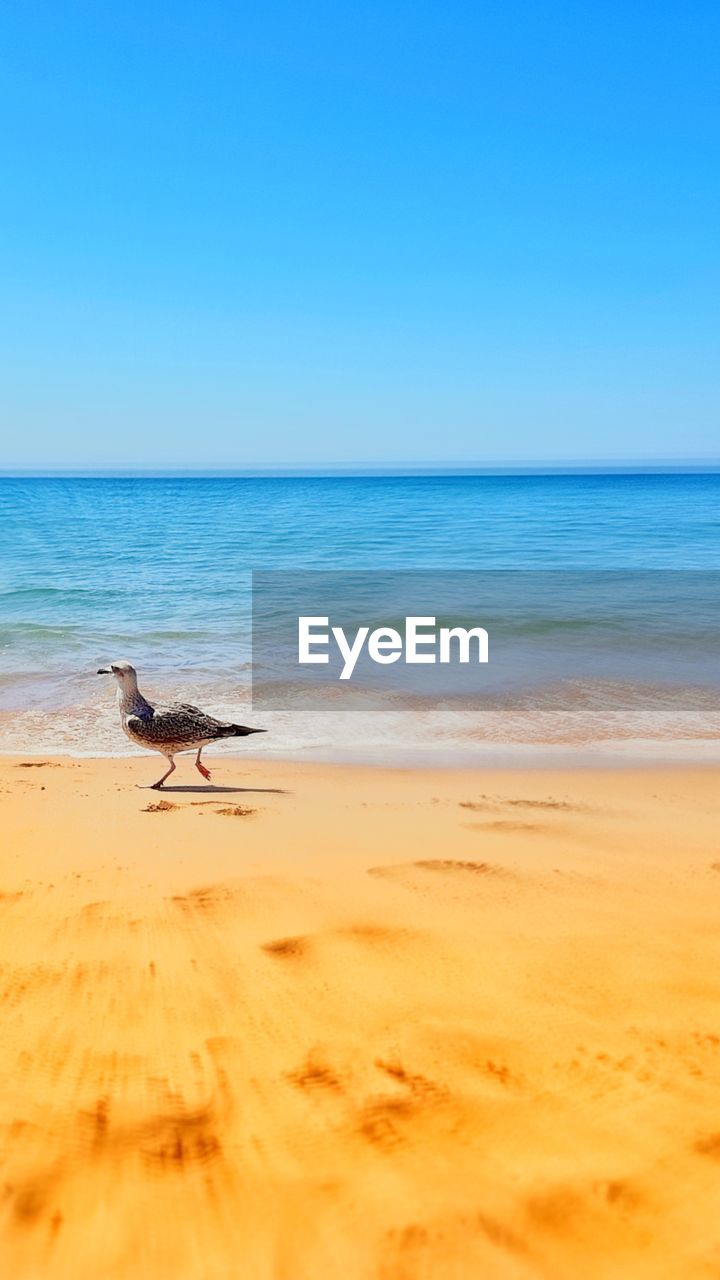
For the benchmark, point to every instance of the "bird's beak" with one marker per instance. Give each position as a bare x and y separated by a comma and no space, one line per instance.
104,671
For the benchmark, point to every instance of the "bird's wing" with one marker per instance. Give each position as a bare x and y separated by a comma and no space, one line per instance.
179,722
198,717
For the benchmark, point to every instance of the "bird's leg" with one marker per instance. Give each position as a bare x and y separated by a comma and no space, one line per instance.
156,786
200,766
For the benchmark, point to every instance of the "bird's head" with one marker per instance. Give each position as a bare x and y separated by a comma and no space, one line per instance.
124,673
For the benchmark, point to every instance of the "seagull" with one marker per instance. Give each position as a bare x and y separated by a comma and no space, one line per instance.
178,727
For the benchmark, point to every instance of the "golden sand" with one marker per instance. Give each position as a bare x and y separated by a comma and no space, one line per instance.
340,1022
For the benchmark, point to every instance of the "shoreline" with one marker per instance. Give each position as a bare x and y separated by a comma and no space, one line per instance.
621,754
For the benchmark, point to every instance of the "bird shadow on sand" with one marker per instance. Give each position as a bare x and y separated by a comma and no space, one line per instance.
211,790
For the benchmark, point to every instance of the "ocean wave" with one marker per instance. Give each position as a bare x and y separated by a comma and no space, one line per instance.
389,730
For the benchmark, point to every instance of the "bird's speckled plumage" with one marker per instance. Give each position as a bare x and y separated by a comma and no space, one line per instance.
179,726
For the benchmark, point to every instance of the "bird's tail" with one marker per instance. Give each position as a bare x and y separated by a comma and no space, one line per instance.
237,731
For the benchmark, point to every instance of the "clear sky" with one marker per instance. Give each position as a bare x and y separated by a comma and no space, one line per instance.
294,233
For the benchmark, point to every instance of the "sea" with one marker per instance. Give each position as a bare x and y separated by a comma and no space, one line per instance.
157,570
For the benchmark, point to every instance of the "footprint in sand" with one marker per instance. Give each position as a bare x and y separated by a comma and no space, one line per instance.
709,1145
461,880
211,899
162,806
387,1120
447,865
381,939
315,1074
477,1243
451,864
486,803
287,948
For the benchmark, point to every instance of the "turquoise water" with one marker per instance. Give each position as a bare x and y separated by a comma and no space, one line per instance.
157,570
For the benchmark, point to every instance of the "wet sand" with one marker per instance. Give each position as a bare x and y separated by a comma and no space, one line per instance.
347,1022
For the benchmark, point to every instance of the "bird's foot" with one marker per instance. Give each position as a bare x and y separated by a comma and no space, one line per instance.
201,769
157,786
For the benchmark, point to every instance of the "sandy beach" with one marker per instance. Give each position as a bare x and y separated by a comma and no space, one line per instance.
326,1021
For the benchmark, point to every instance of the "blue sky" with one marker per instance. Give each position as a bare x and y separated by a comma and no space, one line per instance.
300,233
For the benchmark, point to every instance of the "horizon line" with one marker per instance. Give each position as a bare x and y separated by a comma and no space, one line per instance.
375,470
